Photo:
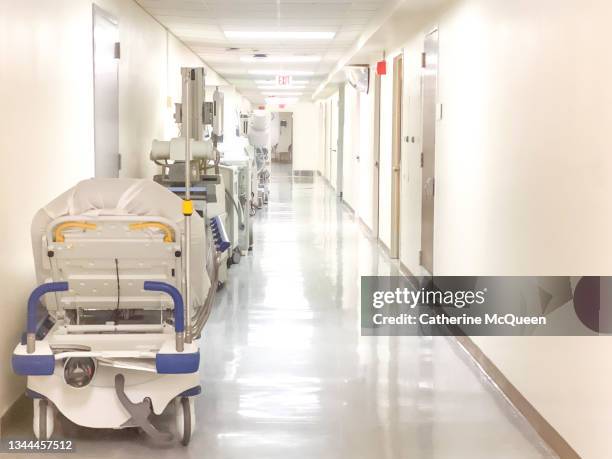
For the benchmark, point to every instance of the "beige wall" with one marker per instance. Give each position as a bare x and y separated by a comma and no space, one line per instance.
522,178
46,123
305,136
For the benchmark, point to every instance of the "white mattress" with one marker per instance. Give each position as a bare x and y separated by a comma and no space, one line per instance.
130,197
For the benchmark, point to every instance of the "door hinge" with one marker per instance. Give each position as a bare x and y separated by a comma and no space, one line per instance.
118,162
421,257
423,60
433,187
117,50
422,159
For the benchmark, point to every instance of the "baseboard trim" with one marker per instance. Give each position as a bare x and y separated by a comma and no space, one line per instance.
348,207
366,229
13,413
414,281
544,429
384,248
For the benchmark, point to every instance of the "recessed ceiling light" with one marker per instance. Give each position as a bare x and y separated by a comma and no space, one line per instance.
276,35
281,59
281,72
285,94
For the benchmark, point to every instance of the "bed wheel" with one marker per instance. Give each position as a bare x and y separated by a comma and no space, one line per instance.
185,419
236,257
43,420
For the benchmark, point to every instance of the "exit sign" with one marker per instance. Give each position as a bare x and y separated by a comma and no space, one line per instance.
283,80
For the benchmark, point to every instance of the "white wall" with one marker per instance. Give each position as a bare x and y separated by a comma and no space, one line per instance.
522,179
46,124
525,144
46,140
305,136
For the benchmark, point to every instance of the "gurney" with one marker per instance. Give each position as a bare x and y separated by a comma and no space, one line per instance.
118,337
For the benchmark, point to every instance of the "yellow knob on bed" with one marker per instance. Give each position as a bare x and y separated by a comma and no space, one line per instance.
187,207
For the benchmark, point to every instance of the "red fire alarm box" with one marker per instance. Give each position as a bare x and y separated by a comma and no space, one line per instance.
381,67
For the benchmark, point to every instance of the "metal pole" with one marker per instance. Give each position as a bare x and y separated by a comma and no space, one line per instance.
187,205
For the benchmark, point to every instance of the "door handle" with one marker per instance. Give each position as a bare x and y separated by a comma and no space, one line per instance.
430,187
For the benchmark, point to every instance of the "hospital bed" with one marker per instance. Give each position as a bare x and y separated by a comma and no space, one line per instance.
118,339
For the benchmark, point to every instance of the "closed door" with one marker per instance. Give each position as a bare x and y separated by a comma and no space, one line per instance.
430,97
328,146
106,93
376,157
398,85
334,141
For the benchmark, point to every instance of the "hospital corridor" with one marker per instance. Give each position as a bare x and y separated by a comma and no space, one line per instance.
306,229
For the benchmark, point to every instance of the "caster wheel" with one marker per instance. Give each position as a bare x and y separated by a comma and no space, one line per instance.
185,419
236,257
44,417
220,286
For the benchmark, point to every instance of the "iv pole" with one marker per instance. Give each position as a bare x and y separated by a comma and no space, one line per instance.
188,75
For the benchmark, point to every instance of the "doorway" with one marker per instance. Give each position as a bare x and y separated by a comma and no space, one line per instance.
328,137
282,152
430,90
398,85
106,53
376,158
333,154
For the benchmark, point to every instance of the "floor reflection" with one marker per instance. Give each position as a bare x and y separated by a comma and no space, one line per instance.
286,373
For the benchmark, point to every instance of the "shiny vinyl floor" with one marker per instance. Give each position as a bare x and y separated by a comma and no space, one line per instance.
286,374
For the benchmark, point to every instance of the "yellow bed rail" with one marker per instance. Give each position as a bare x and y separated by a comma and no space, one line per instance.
58,233
168,233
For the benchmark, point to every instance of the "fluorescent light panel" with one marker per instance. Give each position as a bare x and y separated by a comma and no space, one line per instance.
277,94
273,82
281,59
277,35
280,88
281,100
281,72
